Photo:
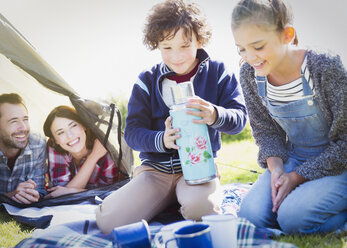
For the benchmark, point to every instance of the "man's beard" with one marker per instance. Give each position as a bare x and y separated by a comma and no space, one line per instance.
10,142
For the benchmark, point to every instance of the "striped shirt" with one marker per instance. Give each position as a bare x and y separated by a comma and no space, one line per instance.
293,91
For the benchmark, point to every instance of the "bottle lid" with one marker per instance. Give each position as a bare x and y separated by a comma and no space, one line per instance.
181,92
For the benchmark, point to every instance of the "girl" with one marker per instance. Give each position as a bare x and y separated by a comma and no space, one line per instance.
297,110
76,159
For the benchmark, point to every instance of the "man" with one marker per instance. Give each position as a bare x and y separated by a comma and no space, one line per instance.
22,154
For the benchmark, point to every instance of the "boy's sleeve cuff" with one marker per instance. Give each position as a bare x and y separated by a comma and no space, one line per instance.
159,142
219,120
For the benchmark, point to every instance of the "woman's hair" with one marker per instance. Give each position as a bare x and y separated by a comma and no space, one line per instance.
272,13
168,17
68,113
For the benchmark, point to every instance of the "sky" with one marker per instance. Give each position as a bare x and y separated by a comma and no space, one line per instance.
96,45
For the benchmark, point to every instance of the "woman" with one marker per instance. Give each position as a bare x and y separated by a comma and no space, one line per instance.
76,159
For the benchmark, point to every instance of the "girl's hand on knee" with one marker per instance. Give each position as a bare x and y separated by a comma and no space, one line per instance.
276,183
282,191
286,184
170,135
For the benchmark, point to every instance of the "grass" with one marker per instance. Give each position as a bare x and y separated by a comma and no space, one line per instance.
235,160
11,232
330,240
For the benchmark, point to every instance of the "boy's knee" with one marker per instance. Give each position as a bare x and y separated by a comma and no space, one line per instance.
103,220
193,209
108,217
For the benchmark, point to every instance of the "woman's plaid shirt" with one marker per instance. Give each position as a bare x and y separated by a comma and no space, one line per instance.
62,169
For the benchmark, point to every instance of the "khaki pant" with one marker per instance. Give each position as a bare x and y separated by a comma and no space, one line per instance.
150,192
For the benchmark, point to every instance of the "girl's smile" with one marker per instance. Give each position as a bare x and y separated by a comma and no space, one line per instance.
262,48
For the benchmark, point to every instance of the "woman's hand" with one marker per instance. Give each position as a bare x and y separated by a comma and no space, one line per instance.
80,180
207,112
61,190
98,150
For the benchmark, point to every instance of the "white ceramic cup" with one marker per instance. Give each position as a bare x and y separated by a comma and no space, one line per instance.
223,230
167,232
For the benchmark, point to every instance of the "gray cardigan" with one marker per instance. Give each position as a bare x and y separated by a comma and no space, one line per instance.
330,83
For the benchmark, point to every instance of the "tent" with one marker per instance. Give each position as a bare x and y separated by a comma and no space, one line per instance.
24,71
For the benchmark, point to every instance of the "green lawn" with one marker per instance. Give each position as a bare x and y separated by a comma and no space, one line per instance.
11,232
235,160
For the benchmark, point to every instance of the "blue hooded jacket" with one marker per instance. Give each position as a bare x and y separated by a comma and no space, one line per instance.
147,110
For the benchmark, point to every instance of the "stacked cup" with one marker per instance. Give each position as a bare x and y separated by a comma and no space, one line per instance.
224,230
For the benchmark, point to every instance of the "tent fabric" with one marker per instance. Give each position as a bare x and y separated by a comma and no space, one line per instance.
24,71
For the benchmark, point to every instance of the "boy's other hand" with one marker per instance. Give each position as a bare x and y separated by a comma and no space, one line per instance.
170,135
207,112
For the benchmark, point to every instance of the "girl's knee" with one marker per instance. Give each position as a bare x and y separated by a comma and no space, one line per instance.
254,214
297,219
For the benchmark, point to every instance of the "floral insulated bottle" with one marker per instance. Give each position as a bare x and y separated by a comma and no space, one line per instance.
195,147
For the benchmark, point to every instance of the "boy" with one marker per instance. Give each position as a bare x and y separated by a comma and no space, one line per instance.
179,31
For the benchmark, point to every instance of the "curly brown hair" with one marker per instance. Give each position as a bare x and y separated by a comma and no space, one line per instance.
166,18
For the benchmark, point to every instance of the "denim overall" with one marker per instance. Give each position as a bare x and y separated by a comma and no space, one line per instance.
314,206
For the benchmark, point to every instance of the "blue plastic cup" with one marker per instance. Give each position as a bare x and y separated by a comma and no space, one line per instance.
136,235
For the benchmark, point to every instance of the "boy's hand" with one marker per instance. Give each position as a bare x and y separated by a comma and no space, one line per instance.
207,112
170,135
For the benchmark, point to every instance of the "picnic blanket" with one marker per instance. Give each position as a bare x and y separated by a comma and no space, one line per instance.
74,225
85,234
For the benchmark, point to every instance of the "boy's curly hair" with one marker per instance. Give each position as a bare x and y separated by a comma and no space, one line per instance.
166,18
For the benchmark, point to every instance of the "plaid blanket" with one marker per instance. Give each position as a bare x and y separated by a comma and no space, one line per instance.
248,236
84,233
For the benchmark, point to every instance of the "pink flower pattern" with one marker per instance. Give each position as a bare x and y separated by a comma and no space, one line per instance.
195,156
201,143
